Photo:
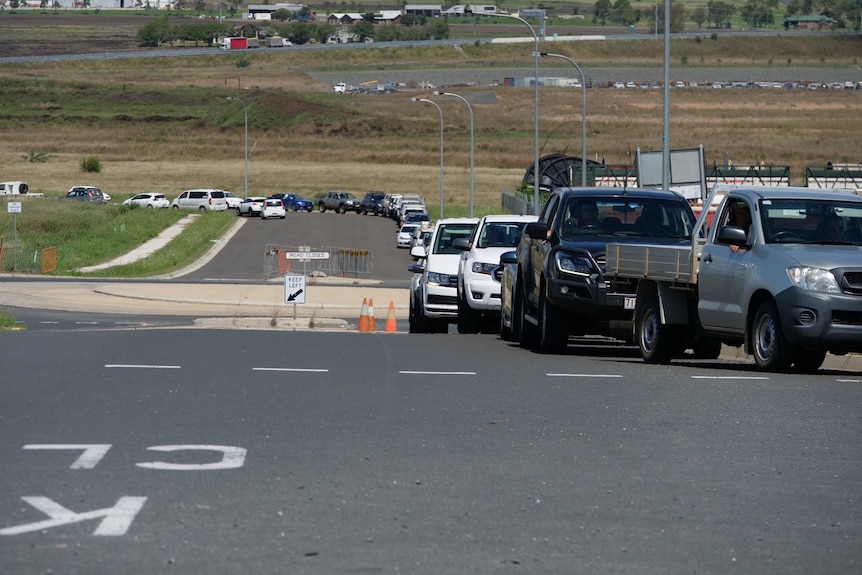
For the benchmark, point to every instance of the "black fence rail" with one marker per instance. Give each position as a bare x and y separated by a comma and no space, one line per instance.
756,175
325,261
834,176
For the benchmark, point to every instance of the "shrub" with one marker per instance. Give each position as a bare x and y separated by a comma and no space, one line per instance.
91,165
243,63
35,157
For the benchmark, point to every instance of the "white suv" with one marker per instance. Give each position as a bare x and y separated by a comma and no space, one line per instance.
478,270
433,289
205,199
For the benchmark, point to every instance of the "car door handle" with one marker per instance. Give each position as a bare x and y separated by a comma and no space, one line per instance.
708,258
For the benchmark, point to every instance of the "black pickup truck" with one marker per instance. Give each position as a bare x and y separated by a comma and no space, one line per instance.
560,288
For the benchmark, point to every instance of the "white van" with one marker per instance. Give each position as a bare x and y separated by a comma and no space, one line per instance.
434,286
206,200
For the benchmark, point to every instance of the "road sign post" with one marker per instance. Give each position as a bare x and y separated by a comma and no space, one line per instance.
14,208
294,290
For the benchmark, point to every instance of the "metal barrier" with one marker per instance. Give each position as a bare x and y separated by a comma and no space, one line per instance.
834,176
757,175
324,261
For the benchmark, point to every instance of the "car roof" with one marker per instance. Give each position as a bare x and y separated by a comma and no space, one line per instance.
606,192
508,218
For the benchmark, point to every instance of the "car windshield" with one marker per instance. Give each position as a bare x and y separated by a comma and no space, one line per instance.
583,216
820,222
500,235
447,234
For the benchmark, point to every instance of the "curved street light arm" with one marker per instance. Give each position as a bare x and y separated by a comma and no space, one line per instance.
583,114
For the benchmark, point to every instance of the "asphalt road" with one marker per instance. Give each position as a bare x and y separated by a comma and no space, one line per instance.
155,451
243,257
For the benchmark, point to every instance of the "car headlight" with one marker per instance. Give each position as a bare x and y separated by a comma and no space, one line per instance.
437,278
813,279
483,268
578,264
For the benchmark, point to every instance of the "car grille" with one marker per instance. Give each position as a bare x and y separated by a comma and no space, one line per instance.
442,300
851,281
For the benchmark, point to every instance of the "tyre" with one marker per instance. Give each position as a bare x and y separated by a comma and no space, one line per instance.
526,331
417,321
771,351
308,209
657,342
342,209
505,331
238,213
706,347
808,360
468,320
553,327
203,208
176,207
292,208
321,208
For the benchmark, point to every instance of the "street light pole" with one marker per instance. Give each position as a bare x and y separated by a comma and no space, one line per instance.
440,110
583,115
536,106
245,111
470,108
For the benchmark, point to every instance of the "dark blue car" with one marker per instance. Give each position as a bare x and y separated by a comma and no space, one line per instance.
294,203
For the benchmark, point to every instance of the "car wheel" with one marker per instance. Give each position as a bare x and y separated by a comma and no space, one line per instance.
553,327
468,319
308,209
150,206
238,212
526,331
416,319
657,341
176,208
292,207
504,330
706,347
321,208
771,351
808,360
282,217
342,209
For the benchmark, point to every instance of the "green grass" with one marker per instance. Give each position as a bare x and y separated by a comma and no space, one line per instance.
88,234
7,320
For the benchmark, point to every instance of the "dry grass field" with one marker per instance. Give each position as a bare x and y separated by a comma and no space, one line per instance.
164,124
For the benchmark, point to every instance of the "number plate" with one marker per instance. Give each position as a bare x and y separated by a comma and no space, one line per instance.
629,303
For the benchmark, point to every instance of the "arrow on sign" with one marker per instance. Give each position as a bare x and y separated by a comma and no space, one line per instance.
294,295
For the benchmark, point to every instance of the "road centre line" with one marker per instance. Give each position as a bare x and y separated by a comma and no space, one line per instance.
300,369
728,377
606,375
407,372
140,366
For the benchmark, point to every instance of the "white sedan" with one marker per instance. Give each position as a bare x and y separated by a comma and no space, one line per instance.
272,208
251,206
148,200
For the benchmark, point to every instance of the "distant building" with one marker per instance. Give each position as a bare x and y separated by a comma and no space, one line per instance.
265,11
818,22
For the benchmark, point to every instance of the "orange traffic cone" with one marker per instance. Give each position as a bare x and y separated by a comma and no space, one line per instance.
363,316
372,323
390,318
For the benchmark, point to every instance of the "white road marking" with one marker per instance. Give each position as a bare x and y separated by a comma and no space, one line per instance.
611,375
140,366
93,452
299,369
117,519
437,372
753,377
232,458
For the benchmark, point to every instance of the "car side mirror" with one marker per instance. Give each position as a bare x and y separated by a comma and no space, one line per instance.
509,258
416,268
732,235
418,252
537,230
462,244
